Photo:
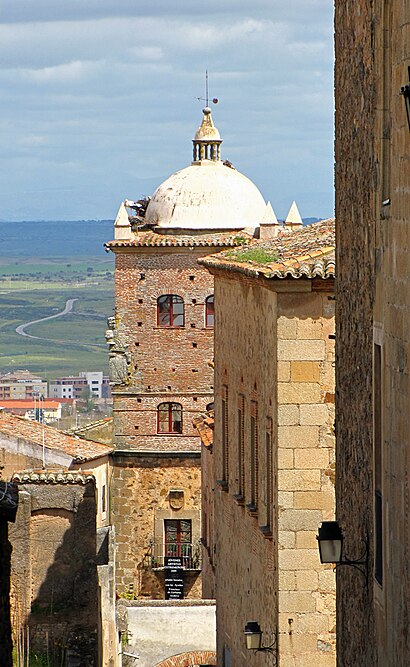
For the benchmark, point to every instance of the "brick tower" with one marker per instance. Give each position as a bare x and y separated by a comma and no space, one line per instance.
161,349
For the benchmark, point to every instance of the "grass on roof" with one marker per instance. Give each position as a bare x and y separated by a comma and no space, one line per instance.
255,255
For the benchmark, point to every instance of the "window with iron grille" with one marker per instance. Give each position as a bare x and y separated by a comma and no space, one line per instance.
240,449
254,462
224,434
170,311
169,418
209,311
178,540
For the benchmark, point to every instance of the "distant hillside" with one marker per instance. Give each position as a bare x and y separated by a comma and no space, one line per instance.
54,238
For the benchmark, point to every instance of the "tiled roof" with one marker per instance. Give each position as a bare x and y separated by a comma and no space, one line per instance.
29,403
52,477
79,449
152,239
308,253
205,427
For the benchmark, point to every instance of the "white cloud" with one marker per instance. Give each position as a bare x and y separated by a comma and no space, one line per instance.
111,87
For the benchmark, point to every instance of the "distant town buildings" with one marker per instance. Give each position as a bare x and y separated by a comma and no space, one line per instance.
22,385
88,384
38,409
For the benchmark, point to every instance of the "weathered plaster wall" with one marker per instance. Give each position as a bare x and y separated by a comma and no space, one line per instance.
54,576
5,624
160,630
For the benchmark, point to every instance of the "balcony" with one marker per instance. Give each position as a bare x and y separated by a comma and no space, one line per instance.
189,552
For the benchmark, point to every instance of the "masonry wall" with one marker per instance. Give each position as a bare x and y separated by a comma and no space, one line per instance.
246,554
306,475
372,214
274,362
140,502
5,624
54,575
208,522
168,364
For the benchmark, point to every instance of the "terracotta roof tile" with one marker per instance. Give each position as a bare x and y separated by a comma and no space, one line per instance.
29,403
308,253
60,476
79,449
153,239
205,427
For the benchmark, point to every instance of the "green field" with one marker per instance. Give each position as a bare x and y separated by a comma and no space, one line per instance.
32,288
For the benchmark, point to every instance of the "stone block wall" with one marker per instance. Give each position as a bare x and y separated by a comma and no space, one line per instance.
54,573
246,567
140,501
372,214
274,394
306,475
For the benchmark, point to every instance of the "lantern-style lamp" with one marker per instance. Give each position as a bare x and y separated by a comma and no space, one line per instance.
330,541
253,634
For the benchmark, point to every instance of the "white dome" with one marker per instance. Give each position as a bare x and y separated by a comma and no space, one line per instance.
206,195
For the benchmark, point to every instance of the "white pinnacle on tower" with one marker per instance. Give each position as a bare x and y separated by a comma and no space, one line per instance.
293,219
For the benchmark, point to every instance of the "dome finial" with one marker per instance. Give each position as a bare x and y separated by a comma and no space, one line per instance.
207,140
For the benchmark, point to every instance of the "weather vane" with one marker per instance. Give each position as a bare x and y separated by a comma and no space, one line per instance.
206,98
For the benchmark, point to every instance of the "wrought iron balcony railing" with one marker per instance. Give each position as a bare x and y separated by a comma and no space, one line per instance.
188,552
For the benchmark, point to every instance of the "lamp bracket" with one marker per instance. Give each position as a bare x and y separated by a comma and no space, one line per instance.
362,564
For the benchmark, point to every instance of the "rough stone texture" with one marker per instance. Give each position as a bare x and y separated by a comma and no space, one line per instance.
140,489
271,574
167,365
54,575
5,625
373,241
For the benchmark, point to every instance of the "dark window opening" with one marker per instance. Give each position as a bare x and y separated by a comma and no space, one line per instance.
209,311
169,417
170,311
178,540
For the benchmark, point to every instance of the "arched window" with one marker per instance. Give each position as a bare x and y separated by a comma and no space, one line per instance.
169,418
209,311
170,311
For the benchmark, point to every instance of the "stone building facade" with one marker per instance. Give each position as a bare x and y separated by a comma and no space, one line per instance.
373,325
62,559
161,350
54,572
273,447
5,622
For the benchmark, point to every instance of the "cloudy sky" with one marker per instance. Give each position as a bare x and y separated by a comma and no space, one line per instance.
98,99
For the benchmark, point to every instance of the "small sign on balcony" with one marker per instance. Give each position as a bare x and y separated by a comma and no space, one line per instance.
173,578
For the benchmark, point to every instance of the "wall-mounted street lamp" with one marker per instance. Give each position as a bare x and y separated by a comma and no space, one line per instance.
330,542
405,91
253,634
